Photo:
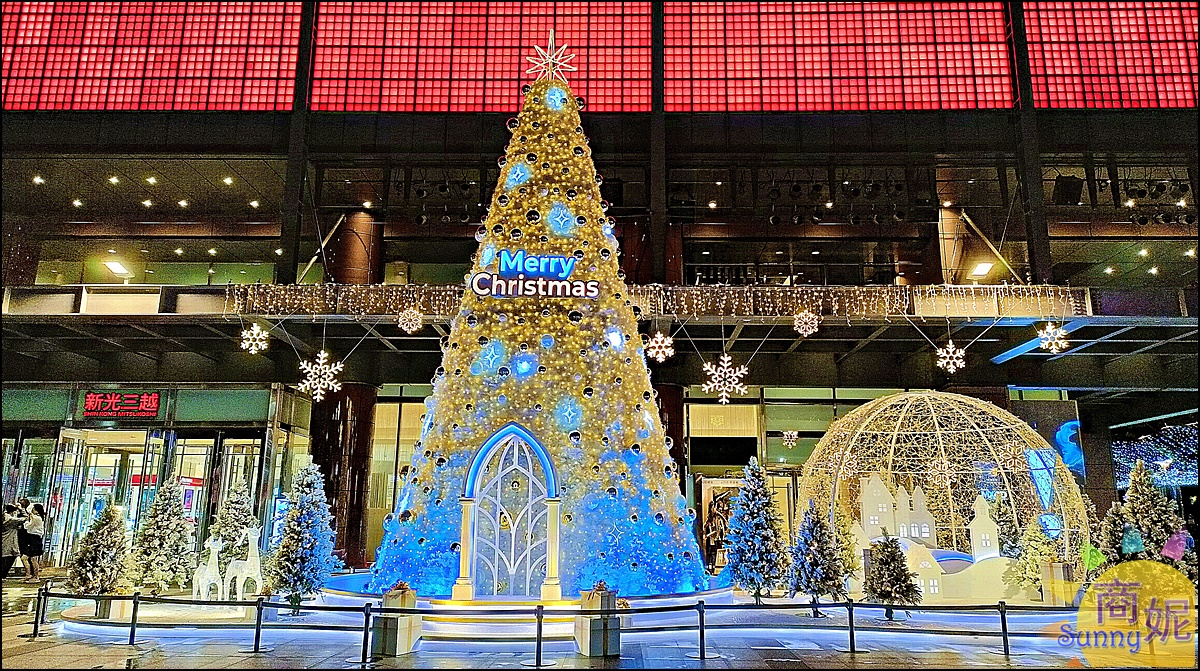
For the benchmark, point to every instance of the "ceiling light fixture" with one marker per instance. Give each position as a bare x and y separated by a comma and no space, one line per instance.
279,251
147,202
982,269
712,204
1130,203
1109,270
816,252
1191,253
212,251
113,180
37,179
719,182
254,204
1143,253
1181,203
706,252
179,251
228,181
183,203
152,180
947,203
1153,270
77,203
367,204
829,204
112,251
118,269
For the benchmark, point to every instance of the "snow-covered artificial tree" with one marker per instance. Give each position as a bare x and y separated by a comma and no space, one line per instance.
1112,531
233,518
1152,511
1093,515
1036,549
165,549
756,555
847,545
888,579
1006,525
816,561
99,565
303,559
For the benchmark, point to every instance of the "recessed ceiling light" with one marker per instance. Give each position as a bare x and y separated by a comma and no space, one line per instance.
1191,253
242,272
118,269
152,180
706,252
149,272
147,202
212,251
778,252
712,204
719,182
112,251
179,251
1130,203
37,179
846,182
279,252
947,203
367,204
828,204
1153,270
1181,203
183,203
77,203
816,251
211,271
254,203
113,180
1143,252
970,181
1109,270
228,181
144,251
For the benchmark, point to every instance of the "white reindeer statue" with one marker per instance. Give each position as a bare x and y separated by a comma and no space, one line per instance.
209,575
241,571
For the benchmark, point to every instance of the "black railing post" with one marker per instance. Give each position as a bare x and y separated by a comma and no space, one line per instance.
137,599
1003,607
366,643
538,613
850,621
700,617
258,617
37,612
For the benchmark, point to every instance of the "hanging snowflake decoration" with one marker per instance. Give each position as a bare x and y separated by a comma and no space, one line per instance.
806,323
941,473
255,340
790,438
410,320
660,347
950,358
725,379
320,376
1054,338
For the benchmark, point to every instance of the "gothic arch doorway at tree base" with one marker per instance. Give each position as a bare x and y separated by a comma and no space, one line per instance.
510,524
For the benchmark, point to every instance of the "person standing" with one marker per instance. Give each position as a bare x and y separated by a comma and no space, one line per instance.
9,548
31,542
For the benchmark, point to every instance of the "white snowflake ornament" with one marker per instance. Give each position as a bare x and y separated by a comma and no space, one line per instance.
1053,338
941,472
725,379
790,438
661,347
950,358
255,340
806,323
320,376
410,320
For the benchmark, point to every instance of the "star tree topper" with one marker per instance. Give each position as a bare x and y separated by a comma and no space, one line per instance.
550,62
724,379
320,376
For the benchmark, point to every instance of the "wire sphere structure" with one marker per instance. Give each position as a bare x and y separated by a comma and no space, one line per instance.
955,448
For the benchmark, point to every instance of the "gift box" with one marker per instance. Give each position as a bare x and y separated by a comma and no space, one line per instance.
598,636
400,598
598,599
121,611
394,635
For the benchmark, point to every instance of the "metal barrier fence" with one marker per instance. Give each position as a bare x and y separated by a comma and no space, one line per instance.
539,612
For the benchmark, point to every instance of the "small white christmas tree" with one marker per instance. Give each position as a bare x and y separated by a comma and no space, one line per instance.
233,518
756,556
99,565
888,579
816,567
1036,549
303,559
165,549
1154,514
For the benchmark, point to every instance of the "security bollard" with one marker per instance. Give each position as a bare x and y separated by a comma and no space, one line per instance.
850,619
258,621
703,653
366,643
1004,627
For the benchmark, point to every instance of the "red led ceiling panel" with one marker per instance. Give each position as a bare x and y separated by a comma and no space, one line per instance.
470,56
1112,54
149,55
820,56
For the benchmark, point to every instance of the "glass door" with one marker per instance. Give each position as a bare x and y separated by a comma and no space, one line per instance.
194,452
241,461
96,466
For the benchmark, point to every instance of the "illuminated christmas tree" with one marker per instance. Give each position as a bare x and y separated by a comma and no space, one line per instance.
542,415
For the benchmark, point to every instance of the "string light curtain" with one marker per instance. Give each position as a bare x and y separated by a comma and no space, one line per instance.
1112,54
149,55
822,56
469,56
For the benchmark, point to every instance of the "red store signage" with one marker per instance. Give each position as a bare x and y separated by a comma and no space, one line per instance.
120,405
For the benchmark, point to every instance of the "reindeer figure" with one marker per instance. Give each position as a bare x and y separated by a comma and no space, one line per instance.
209,575
240,571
